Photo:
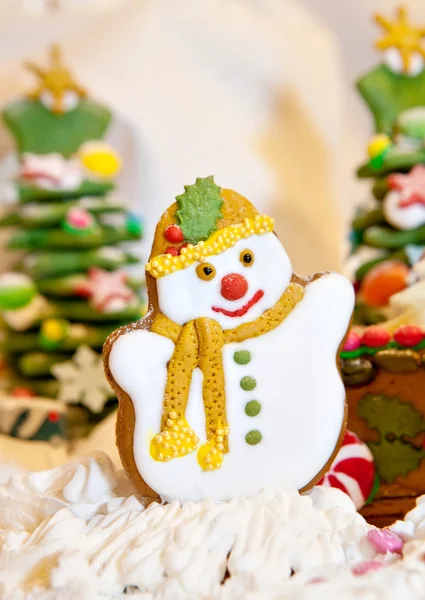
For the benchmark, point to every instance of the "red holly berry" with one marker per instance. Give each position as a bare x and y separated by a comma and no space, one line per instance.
173,250
409,335
353,341
375,337
53,416
22,392
174,234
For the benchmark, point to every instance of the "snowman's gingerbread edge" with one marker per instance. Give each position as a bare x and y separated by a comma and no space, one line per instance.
126,415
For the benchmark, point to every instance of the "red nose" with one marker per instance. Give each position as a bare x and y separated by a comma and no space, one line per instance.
234,286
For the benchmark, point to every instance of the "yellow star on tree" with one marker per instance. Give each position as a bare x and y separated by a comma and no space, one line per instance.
402,35
57,80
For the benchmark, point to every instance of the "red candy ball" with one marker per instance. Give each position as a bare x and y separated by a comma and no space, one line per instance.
409,335
174,234
375,337
173,250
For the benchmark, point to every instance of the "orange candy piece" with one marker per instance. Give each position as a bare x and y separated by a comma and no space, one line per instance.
383,281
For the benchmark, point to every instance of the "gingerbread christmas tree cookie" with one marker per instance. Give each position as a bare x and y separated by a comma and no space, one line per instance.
230,383
68,288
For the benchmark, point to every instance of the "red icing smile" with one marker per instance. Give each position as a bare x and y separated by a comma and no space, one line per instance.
244,309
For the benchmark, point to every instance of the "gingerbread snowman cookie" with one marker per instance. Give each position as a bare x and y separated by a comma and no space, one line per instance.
230,383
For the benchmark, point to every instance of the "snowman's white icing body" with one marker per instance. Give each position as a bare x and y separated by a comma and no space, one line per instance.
297,381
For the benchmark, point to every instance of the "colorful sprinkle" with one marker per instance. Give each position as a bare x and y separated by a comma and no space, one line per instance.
253,408
253,437
242,357
248,383
384,540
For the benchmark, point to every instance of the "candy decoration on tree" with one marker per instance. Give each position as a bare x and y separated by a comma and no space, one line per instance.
404,206
79,220
352,471
53,332
383,281
108,292
16,291
50,171
99,159
227,306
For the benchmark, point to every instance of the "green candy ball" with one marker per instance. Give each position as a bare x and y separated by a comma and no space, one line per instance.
16,291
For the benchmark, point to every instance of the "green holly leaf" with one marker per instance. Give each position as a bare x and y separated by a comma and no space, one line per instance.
199,209
395,458
389,415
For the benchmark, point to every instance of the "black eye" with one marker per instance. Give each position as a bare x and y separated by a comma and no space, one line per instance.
207,270
247,258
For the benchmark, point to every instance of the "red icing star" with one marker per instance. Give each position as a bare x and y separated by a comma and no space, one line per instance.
411,186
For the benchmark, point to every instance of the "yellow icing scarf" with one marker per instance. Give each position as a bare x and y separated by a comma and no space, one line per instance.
199,343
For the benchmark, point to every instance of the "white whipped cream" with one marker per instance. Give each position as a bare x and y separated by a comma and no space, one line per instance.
78,531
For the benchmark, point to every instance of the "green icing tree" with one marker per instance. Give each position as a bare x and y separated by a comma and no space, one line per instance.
67,289
395,421
199,209
382,236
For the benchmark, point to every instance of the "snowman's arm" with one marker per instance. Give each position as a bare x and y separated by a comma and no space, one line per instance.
328,305
138,360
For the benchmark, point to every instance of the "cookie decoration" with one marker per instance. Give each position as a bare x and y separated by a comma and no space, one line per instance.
212,386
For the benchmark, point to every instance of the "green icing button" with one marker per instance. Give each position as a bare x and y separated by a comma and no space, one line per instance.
253,408
242,357
248,383
253,437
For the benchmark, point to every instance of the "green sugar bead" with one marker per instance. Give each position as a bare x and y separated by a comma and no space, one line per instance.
253,437
253,408
248,383
242,357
